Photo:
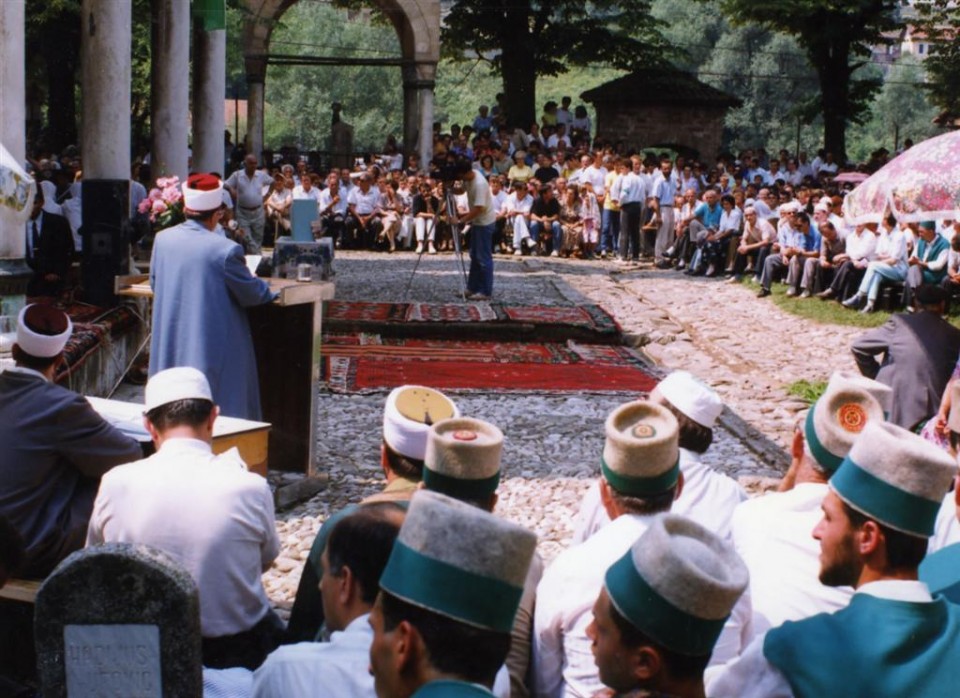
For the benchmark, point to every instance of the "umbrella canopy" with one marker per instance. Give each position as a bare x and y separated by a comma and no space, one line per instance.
921,184
17,189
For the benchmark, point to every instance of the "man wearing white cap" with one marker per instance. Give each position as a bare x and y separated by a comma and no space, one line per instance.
663,606
772,533
448,596
202,289
207,511
641,479
894,639
53,446
708,497
409,412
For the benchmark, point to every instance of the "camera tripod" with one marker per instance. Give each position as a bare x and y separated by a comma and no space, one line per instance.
451,207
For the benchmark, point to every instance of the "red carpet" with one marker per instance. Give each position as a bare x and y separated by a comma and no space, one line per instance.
361,363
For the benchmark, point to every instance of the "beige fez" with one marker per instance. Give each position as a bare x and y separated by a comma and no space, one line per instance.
408,414
641,456
463,458
836,419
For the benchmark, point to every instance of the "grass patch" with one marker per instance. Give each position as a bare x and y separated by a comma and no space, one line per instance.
827,312
808,391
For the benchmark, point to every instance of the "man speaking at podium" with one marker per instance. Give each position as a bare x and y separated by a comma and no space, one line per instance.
202,288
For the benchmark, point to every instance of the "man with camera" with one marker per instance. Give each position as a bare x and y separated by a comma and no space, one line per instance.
482,218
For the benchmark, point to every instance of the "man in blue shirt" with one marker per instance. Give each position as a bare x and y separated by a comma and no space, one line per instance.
704,220
796,243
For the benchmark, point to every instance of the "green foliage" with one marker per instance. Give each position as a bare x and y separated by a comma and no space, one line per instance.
298,98
808,391
525,39
940,20
836,37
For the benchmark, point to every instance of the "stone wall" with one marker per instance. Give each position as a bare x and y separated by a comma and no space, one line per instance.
698,128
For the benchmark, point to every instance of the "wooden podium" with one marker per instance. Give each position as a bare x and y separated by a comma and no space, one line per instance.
286,338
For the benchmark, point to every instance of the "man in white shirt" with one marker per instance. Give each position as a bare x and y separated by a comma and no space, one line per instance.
894,638
641,479
204,510
356,553
708,497
772,533
250,188
630,193
363,223
333,209
306,190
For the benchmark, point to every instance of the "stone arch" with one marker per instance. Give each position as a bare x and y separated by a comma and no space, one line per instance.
417,23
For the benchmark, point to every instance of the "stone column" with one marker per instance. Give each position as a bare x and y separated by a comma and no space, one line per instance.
411,110
426,123
209,90
14,273
169,87
255,117
105,60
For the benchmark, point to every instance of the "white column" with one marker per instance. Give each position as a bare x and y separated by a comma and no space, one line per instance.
170,87
105,60
209,90
255,117
426,126
12,110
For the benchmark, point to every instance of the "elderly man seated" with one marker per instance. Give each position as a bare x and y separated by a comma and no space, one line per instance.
795,242
818,271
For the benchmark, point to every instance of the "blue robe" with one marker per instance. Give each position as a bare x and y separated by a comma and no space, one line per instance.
201,288
941,572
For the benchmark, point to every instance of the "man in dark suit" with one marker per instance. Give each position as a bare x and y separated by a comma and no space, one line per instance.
919,353
49,247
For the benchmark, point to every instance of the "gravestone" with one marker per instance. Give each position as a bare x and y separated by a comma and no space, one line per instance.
119,620
341,140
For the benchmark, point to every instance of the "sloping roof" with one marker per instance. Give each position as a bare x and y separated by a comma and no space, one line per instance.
655,87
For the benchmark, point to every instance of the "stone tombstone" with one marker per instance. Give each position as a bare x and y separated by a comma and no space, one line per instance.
119,620
341,140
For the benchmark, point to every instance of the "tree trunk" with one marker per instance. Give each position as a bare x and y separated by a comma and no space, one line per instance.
518,66
833,70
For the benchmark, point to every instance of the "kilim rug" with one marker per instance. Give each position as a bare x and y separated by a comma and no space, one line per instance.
368,362
484,321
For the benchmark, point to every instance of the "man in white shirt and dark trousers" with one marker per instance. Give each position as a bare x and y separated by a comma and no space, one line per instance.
250,188
353,560
482,218
206,511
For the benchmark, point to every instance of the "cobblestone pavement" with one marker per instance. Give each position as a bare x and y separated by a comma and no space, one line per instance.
745,347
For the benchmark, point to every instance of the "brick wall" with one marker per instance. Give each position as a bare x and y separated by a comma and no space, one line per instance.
699,128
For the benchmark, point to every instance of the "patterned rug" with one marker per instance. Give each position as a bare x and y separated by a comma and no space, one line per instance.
361,363
485,321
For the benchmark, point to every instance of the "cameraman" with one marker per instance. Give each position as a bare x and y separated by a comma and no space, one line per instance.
482,217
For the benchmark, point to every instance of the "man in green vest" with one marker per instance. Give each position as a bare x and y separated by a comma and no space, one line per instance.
928,263
894,639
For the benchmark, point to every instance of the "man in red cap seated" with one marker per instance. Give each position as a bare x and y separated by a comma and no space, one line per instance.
202,288
53,446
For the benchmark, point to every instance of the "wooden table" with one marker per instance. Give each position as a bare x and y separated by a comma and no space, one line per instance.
286,339
249,437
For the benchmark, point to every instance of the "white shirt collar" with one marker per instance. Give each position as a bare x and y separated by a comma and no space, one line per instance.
27,372
897,590
184,444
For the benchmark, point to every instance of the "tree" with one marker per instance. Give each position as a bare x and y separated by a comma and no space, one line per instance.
524,39
940,20
837,36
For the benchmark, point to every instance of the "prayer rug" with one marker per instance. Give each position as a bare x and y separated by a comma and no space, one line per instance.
368,363
486,321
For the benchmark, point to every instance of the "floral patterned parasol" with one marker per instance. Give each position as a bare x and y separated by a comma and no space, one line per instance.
921,184
16,186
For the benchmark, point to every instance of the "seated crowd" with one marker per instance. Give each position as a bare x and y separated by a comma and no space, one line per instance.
675,583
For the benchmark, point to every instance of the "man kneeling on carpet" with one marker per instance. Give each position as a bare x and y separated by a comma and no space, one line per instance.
206,511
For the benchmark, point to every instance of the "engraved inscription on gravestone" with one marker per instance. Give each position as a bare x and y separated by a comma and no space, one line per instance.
112,660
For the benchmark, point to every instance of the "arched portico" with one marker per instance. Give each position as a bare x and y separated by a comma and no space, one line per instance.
417,23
